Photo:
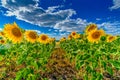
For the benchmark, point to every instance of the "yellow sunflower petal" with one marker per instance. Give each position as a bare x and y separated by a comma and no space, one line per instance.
73,33
77,36
2,41
111,38
43,38
13,33
31,36
95,35
90,27
62,39
70,37
1,34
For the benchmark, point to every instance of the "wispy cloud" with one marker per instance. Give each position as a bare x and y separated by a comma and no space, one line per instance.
58,36
111,27
38,31
116,5
31,12
58,19
70,25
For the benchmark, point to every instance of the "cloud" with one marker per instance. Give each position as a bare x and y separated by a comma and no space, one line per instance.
98,19
1,29
30,11
38,31
116,5
59,20
58,36
70,25
53,9
111,27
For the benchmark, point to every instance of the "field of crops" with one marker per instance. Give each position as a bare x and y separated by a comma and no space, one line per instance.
25,55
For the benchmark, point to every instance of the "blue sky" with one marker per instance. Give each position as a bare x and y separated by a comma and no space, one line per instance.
58,18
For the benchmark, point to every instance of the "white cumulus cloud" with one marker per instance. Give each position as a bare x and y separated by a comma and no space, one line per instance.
70,25
30,11
111,27
54,17
116,5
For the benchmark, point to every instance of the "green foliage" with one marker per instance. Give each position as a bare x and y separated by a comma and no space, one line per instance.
93,58
34,57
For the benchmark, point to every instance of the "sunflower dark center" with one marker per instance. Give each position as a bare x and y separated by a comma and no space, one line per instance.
70,36
64,37
96,35
43,37
91,28
2,33
2,41
16,32
32,35
111,37
74,34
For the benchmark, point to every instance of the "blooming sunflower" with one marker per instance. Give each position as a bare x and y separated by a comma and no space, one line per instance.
13,32
73,34
51,40
2,34
31,36
43,38
95,35
77,36
111,38
70,37
2,41
62,39
90,27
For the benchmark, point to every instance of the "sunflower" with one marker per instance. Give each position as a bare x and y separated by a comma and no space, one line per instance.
90,27
57,43
77,36
62,39
31,36
70,37
95,35
1,34
111,38
43,38
73,34
2,41
51,40
13,32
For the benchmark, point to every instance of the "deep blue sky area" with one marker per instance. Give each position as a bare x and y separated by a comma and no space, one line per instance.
58,18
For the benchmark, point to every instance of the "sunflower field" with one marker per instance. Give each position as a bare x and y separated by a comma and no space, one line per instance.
25,55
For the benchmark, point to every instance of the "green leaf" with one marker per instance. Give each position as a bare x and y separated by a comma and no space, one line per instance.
18,75
79,64
89,69
1,58
93,76
94,64
86,77
104,64
116,64
35,65
103,38
110,71
99,76
86,56
31,77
